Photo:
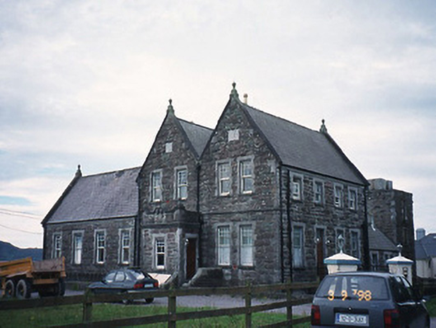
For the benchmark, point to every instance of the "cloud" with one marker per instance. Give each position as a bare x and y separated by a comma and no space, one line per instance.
88,83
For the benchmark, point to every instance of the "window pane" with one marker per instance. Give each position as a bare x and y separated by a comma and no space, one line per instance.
246,245
78,248
160,253
246,174
100,247
125,247
224,178
182,184
157,186
297,247
224,246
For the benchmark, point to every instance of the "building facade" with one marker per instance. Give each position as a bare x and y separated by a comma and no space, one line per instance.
259,198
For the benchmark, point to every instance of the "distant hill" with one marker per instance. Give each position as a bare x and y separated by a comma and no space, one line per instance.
9,252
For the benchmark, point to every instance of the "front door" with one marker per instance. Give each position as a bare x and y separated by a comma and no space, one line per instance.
191,258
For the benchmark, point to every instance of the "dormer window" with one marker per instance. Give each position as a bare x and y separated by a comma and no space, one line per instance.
233,135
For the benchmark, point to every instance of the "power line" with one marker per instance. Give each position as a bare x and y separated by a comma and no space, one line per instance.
33,233
21,214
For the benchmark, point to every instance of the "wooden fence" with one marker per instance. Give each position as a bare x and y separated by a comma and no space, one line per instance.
172,317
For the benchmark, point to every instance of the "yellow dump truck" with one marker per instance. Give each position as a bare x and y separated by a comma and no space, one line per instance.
19,278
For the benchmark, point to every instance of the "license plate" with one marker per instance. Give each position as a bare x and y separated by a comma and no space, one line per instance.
148,286
352,319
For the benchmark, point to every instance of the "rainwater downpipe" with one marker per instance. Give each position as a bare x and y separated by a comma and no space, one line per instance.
288,214
282,264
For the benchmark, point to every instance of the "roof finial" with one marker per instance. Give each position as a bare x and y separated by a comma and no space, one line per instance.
78,172
323,128
234,92
170,107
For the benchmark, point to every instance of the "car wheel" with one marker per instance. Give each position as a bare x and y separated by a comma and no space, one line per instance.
9,289
149,300
23,289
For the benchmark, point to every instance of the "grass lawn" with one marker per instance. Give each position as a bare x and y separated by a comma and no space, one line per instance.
43,317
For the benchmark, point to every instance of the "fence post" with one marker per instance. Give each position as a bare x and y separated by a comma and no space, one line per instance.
87,307
289,306
248,296
172,305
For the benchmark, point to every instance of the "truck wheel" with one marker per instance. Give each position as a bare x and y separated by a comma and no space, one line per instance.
9,289
23,289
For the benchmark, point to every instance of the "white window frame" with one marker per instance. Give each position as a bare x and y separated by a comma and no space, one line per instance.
57,245
160,250
296,187
318,195
246,245
77,248
246,178
352,199
298,246
125,244
338,195
223,245
100,246
156,186
181,186
224,180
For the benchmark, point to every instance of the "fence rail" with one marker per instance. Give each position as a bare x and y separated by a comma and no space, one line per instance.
172,317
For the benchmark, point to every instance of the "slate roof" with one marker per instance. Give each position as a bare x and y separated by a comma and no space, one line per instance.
197,135
379,242
303,148
100,196
425,248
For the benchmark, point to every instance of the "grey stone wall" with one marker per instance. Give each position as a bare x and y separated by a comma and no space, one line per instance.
159,159
258,209
392,212
88,269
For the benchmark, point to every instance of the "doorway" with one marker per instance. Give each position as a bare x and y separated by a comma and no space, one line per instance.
191,257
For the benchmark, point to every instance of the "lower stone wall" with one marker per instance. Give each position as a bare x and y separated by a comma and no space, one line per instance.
88,269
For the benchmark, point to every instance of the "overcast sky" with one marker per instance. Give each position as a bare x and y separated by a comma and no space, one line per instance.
88,82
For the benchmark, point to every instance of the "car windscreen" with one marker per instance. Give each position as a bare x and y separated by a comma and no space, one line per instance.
361,288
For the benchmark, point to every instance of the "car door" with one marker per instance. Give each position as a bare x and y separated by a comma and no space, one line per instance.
405,303
419,312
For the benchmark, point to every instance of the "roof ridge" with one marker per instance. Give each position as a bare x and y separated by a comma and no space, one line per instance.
111,172
193,123
276,117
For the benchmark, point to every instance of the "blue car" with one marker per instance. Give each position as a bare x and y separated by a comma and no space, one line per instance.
368,299
125,281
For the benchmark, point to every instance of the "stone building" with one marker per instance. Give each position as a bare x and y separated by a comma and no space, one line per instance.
258,198
391,211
